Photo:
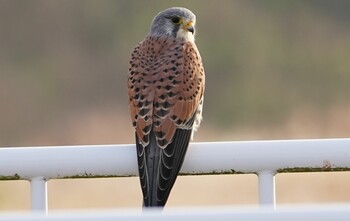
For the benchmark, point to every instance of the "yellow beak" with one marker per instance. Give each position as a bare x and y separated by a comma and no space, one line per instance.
188,26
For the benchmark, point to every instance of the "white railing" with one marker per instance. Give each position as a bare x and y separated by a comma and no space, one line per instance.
338,212
264,158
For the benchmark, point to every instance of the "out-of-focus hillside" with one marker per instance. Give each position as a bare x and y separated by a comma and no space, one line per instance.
271,67
275,69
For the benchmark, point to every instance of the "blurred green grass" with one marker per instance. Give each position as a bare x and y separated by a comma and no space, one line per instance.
63,67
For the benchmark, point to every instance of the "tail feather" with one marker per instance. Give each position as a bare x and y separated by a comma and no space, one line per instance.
158,168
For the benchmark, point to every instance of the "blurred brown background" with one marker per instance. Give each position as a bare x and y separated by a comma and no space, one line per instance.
275,69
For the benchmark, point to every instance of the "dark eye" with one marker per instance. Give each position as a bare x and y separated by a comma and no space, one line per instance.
176,20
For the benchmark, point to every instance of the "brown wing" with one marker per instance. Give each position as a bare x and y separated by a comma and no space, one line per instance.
141,92
166,85
181,93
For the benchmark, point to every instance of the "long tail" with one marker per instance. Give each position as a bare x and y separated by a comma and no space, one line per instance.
158,168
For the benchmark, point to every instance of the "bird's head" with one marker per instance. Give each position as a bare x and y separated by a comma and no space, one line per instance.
174,22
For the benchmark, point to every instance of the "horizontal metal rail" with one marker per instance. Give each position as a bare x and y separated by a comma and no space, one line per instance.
55,162
264,158
299,213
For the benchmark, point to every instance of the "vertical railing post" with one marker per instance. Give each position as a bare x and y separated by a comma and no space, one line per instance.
267,195
38,190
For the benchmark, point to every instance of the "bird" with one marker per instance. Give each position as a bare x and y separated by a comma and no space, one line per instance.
166,83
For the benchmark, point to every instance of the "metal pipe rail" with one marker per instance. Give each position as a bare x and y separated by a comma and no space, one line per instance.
339,212
264,158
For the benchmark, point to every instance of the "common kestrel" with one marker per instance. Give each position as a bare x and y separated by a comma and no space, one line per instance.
165,87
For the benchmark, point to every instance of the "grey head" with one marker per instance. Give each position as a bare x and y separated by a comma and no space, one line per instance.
174,22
